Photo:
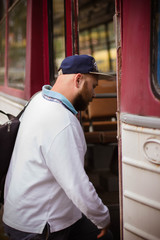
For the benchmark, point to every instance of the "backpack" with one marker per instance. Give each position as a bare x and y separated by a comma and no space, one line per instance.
8,134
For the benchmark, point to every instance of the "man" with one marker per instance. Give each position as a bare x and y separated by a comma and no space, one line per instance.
47,192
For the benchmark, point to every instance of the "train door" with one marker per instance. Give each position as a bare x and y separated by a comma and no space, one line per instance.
97,38
40,34
89,29
139,132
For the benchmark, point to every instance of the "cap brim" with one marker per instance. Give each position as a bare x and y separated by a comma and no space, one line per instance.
105,76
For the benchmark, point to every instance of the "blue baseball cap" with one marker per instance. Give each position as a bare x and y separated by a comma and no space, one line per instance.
81,64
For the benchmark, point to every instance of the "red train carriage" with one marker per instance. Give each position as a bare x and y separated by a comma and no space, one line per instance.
123,36
139,118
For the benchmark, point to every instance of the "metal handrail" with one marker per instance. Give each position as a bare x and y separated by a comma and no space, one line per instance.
106,95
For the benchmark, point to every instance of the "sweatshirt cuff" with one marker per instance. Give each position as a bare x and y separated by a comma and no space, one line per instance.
104,223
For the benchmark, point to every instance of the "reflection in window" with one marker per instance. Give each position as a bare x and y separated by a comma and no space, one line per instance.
2,8
17,45
58,33
96,35
11,2
2,52
155,48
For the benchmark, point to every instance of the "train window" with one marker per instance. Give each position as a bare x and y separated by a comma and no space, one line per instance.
2,40
58,33
17,44
155,48
97,38
2,52
96,35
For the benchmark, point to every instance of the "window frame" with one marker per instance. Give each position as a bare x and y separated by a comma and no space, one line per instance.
71,32
5,87
36,68
11,14
154,48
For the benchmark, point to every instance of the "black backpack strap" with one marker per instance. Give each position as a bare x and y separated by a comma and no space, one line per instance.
10,116
21,112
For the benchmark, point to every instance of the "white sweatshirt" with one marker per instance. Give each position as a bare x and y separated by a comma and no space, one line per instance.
46,181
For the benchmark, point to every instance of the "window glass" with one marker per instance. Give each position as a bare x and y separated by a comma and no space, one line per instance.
58,34
155,48
2,52
17,45
111,43
2,40
96,34
97,38
2,8
84,42
11,2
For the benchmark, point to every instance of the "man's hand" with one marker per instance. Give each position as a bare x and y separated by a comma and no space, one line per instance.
103,232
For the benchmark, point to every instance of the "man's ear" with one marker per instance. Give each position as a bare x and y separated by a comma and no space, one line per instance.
78,80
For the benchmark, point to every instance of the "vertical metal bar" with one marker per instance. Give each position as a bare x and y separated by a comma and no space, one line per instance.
76,28
68,28
117,21
48,42
108,48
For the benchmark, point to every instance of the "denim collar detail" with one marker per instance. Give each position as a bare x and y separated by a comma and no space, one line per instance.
51,95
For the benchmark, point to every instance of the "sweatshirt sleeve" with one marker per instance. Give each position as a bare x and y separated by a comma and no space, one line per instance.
65,160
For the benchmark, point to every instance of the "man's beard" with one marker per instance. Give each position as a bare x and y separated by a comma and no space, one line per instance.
80,103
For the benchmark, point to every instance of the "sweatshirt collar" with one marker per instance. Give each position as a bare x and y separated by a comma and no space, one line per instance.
51,95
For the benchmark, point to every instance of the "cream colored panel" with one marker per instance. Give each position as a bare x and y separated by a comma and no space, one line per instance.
141,182
130,235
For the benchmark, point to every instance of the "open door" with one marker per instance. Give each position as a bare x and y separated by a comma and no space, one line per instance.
139,118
